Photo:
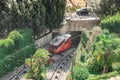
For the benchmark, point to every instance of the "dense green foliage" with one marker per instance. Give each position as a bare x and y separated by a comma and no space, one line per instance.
15,60
112,23
55,10
97,52
40,15
116,67
37,65
105,47
104,7
80,73
103,76
109,7
14,49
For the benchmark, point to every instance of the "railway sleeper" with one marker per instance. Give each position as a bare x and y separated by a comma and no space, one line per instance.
56,77
61,67
58,71
63,63
67,59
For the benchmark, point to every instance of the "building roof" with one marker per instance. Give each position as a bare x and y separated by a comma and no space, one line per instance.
59,39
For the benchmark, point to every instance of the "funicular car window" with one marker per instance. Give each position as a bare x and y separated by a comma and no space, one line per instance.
55,47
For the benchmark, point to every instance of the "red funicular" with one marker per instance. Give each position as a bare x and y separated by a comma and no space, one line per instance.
60,43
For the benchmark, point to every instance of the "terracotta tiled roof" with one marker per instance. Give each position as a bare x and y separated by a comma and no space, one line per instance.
79,3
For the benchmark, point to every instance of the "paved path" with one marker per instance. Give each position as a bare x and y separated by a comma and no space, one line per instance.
7,76
13,74
115,78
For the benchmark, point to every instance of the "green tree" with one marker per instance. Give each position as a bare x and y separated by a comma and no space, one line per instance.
55,10
23,13
37,65
40,15
106,49
109,7
112,23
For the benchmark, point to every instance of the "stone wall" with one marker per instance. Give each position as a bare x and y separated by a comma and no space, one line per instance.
79,24
44,40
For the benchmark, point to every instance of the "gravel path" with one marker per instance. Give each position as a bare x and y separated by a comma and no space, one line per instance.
115,78
7,76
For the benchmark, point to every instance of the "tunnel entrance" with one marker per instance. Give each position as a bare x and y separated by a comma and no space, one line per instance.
76,35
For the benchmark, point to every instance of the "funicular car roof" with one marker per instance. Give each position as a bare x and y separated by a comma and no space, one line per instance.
59,39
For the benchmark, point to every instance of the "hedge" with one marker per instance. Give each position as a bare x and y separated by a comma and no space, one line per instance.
112,23
103,76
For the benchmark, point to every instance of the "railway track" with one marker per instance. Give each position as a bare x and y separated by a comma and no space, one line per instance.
61,66
19,73
57,69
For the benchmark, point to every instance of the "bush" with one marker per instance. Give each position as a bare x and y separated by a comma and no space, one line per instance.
93,66
116,67
104,76
16,37
112,23
40,57
15,41
80,73
6,47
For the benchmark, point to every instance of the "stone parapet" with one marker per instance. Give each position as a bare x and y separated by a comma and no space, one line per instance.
80,24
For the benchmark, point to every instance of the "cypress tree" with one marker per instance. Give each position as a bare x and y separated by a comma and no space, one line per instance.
110,7
40,15
55,10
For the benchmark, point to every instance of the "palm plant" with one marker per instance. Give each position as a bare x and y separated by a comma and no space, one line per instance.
106,49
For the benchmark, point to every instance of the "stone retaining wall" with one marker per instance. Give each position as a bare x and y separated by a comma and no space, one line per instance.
44,40
79,24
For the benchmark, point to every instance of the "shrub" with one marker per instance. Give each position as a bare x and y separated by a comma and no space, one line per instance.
40,57
93,66
116,67
6,47
15,41
112,23
103,77
80,73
